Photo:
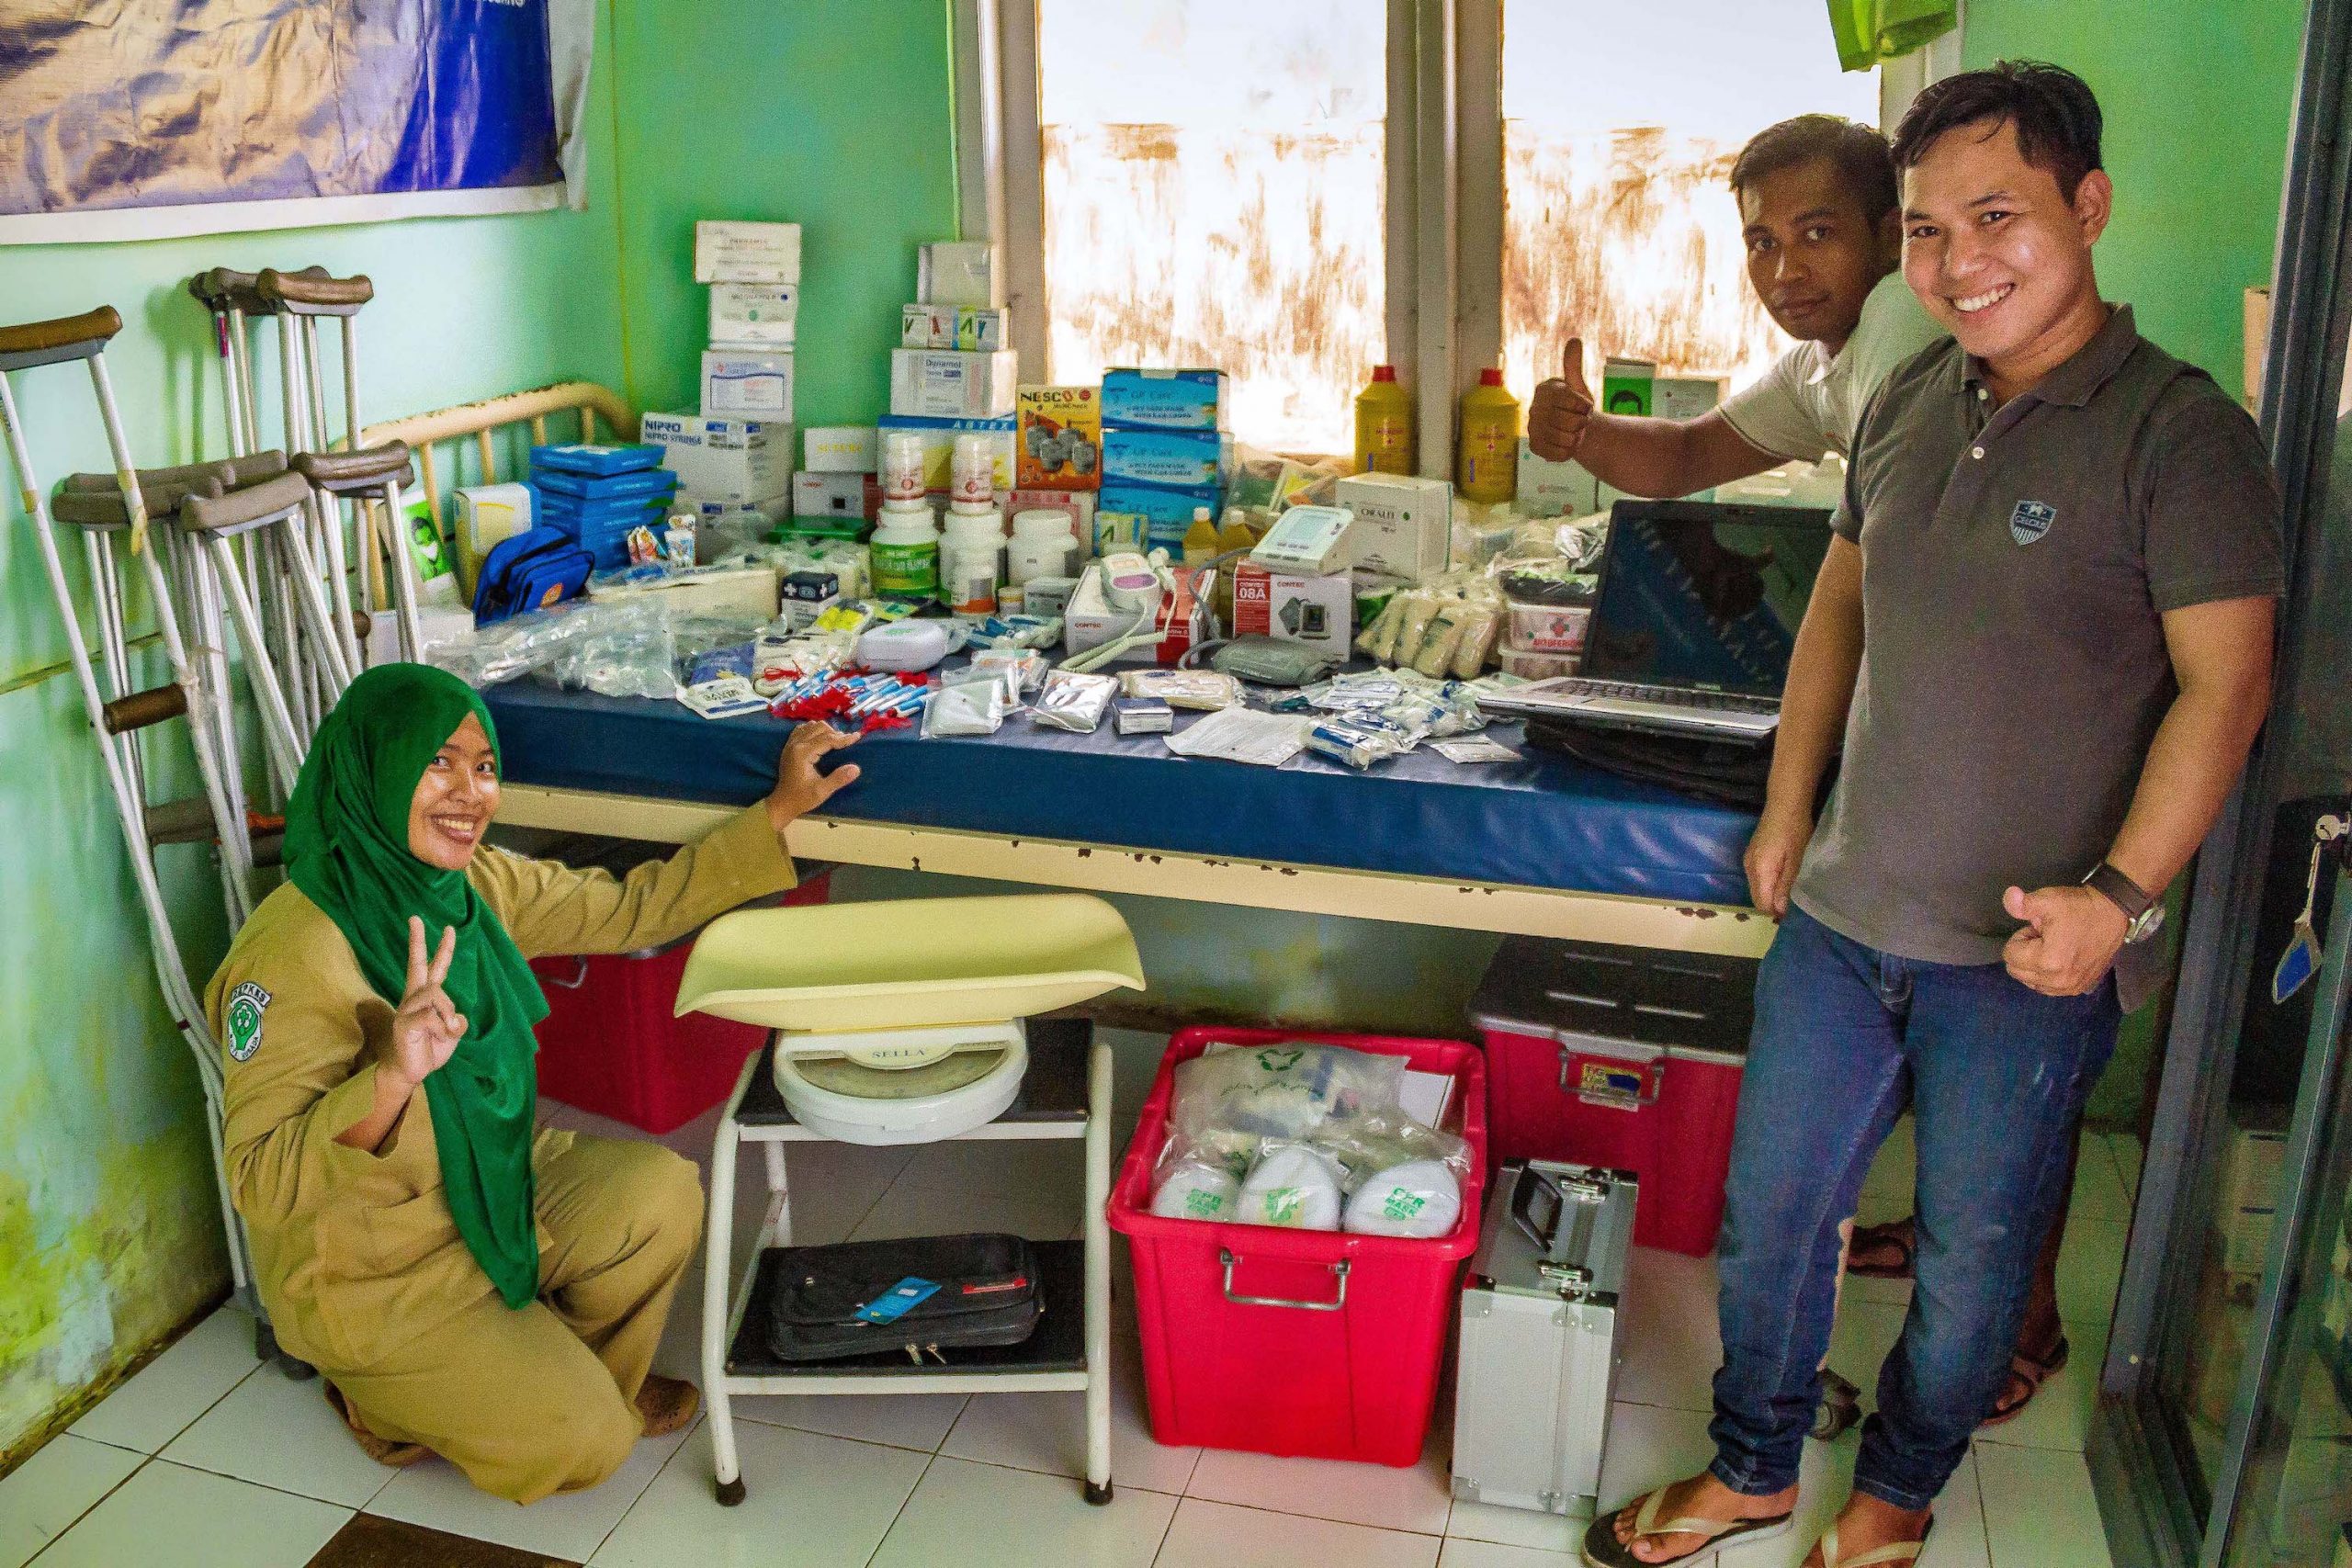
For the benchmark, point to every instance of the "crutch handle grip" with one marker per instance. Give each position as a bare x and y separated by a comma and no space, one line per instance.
89,332
141,709
255,468
224,290
311,292
362,624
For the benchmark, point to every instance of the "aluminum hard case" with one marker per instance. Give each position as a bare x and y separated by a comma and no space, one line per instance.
1540,1316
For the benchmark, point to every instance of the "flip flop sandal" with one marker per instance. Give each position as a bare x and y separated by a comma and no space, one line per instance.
2024,1368
383,1451
1887,1235
1900,1551
1602,1548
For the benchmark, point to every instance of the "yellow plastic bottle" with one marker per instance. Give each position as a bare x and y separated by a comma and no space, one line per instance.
1487,457
1383,425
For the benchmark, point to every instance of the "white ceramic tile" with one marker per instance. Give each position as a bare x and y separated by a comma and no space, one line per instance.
1417,1498
977,1514
2090,1264
1671,1344
2039,1510
2099,1192
1486,1555
63,1481
812,1502
912,1210
1047,1432
1218,1534
275,1432
188,1519
176,1387
1522,1528
2060,1416
916,1421
569,1525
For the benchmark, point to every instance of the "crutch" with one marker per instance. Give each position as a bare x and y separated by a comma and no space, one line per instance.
116,722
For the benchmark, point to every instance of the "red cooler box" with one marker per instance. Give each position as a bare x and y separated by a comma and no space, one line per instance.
1621,1056
610,1043
1297,1342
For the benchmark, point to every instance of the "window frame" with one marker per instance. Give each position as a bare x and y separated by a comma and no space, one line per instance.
1444,199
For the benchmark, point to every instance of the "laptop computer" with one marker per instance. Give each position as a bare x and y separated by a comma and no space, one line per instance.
1693,624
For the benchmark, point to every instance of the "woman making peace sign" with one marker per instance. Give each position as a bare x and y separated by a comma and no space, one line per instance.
466,1285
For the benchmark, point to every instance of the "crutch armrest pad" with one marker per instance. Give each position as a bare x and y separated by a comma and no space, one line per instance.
370,469
94,501
65,332
311,292
253,503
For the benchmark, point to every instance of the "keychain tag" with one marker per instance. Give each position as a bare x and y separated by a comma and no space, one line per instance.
898,1301
2301,959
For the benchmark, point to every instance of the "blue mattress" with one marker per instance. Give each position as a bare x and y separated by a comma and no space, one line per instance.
1543,821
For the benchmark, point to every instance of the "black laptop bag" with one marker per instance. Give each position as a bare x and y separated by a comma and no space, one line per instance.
987,1295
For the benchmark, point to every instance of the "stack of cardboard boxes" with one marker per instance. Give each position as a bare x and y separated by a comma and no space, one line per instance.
1167,451
734,451
953,373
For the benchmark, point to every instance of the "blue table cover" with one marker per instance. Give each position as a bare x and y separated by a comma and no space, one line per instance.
1543,821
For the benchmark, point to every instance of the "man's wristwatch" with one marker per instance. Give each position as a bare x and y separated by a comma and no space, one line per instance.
2144,912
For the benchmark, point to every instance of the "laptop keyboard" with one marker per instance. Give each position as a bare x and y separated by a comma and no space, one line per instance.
1669,696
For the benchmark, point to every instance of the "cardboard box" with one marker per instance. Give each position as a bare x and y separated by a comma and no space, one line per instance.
834,496
748,590
957,272
1404,526
1554,489
723,458
1166,400
1090,622
1178,459
753,315
939,446
949,384
1060,437
747,384
1167,512
838,448
730,252
1318,611
982,332
927,326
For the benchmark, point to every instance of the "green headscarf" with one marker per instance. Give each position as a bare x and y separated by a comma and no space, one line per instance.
347,847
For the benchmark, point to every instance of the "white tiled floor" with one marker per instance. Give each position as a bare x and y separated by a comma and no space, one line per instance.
251,1469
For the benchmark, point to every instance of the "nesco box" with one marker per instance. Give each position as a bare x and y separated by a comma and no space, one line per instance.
1061,438
747,383
1404,526
753,315
746,253
1164,400
1177,458
723,458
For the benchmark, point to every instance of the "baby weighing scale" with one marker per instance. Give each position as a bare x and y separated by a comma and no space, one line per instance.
901,1022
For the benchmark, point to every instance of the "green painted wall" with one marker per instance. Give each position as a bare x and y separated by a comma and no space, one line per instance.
2196,100
109,1230
741,108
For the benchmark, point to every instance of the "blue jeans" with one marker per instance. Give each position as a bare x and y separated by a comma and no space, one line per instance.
1997,1077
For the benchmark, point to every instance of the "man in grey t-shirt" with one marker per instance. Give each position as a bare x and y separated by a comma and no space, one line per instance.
2045,633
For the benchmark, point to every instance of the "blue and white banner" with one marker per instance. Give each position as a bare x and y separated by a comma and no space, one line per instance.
143,118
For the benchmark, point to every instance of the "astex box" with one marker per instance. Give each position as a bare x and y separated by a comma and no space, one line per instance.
1178,459
730,252
753,315
939,446
1164,400
1404,526
1060,437
1318,611
949,384
722,457
748,384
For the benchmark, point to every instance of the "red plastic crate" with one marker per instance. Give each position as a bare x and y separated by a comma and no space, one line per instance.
1348,1367
610,1045
1622,1058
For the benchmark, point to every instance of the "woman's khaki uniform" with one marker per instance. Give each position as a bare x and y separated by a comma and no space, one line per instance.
358,1258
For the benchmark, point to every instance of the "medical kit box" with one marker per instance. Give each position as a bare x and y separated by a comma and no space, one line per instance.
1318,611
1177,459
612,1043
951,384
939,446
1403,524
956,272
1167,511
1166,400
1320,1344
747,384
727,252
1625,1058
723,458
838,449
1541,1315
753,315
1060,437
853,496
927,326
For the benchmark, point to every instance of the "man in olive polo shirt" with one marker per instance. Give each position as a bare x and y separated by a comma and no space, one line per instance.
2045,633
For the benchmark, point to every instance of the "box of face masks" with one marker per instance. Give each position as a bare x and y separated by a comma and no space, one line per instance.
1180,458
732,459
747,384
1167,512
1164,400
949,384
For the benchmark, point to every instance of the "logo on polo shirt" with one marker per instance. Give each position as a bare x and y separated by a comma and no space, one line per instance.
2031,520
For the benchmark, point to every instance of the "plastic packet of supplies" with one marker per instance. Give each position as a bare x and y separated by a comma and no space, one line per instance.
1074,702
975,707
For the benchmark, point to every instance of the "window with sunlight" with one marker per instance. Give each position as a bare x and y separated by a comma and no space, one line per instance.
1620,126
1214,193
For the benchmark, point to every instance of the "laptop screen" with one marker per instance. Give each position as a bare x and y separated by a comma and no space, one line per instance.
1697,594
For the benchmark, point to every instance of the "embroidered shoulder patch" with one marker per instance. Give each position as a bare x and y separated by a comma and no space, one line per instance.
243,1015
2031,519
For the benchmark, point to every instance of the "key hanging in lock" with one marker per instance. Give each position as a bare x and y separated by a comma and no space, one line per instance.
2301,960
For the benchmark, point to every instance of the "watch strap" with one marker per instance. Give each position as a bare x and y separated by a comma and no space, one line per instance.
2120,890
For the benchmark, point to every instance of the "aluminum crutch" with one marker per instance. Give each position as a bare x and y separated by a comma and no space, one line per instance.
302,299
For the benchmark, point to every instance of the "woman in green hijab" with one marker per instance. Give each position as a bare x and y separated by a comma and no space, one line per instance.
471,1286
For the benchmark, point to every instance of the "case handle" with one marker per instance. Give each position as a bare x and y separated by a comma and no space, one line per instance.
578,975
1534,1184
1338,1273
